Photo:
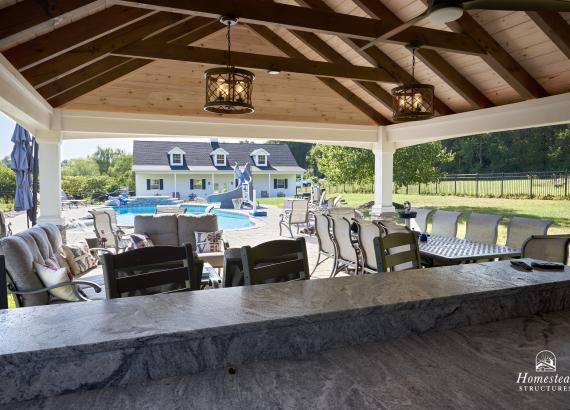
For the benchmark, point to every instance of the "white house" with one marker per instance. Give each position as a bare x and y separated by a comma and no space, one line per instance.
204,168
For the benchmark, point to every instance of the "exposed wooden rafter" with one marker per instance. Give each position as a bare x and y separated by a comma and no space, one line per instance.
430,58
156,51
111,68
53,43
499,59
29,13
336,86
327,22
555,27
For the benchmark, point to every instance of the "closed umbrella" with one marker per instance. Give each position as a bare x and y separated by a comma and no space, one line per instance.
22,164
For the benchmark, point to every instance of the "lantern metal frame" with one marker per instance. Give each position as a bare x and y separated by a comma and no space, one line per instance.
412,101
229,89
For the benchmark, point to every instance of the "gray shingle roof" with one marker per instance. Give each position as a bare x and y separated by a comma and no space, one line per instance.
198,154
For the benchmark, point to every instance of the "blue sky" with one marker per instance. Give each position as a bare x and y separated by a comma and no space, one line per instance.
71,148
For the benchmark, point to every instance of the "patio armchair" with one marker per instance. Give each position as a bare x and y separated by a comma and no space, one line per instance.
36,245
327,246
349,213
109,234
482,228
320,203
444,223
348,255
420,222
397,251
170,209
520,229
296,216
367,232
275,261
156,269
551,248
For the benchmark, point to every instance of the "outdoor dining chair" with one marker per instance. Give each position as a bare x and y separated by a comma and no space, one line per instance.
397,251
367,232
156,269
296,216
5,228
170,209
482,228
348,255
327,247
420,222
282,260
444,223
520,229
107,231
551,248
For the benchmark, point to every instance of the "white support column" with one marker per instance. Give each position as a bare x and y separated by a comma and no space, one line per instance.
383,176
213,183
50,177
175,190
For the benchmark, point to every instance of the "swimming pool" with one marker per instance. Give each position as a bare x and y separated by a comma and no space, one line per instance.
226,220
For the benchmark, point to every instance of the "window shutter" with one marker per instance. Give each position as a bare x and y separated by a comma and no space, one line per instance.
161,183
148,184
204,183
191,184
274,183
286,182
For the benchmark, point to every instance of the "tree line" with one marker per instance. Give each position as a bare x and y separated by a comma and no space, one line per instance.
528,150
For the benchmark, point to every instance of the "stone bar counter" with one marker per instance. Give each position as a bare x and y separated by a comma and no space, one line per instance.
383,340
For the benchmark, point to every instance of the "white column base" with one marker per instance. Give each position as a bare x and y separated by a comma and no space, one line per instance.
50,177
383,211
53,219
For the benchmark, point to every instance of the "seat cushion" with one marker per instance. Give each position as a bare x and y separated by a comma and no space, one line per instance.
216,259
162,229
189,224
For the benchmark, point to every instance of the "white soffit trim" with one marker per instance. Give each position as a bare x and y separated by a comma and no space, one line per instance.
20,101
527,114
78,124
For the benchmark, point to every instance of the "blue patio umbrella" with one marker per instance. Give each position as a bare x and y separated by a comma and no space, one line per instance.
22,164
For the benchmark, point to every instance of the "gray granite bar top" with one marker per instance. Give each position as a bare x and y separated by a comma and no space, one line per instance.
197,314
474,367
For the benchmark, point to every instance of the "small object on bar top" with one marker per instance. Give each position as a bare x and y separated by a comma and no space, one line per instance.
424,237
521,264
547,265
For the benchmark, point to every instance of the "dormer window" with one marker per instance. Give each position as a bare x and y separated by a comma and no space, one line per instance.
219,157
220,160
260,157
176,156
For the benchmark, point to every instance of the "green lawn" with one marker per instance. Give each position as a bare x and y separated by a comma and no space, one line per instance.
555,210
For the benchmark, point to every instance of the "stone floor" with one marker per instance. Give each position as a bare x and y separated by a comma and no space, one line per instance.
267,229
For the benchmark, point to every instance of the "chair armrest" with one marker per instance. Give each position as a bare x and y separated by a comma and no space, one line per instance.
95,286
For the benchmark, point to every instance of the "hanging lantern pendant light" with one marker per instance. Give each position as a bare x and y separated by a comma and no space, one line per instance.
412,101
228,89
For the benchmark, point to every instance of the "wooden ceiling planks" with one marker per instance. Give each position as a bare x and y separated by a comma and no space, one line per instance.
528,54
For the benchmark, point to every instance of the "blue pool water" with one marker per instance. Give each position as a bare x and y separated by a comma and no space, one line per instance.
226,220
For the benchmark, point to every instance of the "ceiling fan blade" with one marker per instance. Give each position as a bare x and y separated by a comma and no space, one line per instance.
519,5
397,30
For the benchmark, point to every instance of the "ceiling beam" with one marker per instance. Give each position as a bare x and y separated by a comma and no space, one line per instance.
433,60
555,27
85,54
29,13
63,39
302,18
286,48
499,59
378,58
110,68
157,51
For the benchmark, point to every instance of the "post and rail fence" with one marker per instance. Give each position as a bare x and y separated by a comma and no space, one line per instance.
537,185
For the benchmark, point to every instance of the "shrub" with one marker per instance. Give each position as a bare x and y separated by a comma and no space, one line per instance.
85,187
7,184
